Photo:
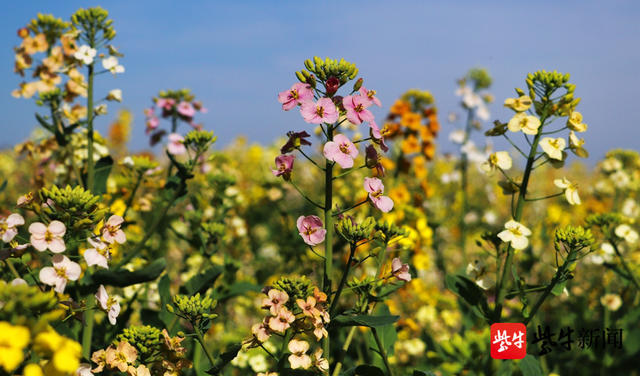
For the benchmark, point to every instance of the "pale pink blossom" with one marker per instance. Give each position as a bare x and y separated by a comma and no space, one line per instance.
98,255
276,300
111,231
311,229
8,226
319,329
378,138
356,107
298,94
261,331
375,188
299,357
400,270
319,362
370,96
176,145
323,111
48,237
108,304
282,321
341,150
186,109
63,270
165,103
284,166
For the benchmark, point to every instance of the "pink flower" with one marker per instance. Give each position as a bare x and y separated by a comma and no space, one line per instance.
298,94
323,111
261,332
282,321
8,226
63,270
400,270
166,103
369,95
152,123
98,255
341,150
284,166
111,232
108,304
356,107
372,160
275,301
377,136
311,229
375,188
186,109
175,146
48,237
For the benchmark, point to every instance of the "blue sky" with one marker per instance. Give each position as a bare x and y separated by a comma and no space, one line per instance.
236,56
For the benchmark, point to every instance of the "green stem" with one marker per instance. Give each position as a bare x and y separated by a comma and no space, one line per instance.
328,224
349,208
544,197
200,339
90,166
343,280
87,331
348,172
345,347
382,351
464,167
624,265
133,193
305,196
12,268
310,159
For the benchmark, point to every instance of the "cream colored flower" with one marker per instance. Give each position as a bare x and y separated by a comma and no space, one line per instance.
553,147
575,122
625,232
575,141
520,104
477,271
611,301
526,123
516,233
111,64
611,164
115,95
85,54
620,179
570,190
499,159
299,357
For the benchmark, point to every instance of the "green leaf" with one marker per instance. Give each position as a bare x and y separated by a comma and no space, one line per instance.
505,368
165,298
123,277
235,289
559,288
364,320
418,372
468,290
102,170
530,366
363,370
225,358
202,281
3,186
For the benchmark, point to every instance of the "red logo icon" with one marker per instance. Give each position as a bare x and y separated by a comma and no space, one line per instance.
508,340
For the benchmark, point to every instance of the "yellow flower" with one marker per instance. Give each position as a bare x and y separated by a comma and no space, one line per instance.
421,261
520,104
499,159
570,190
553,147
575,122
33,370
118,207
13,340
411,120
65,353
526,123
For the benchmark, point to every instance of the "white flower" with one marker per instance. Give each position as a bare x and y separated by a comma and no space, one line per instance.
63,270
100,109
128,161
482,112
630,208
477,271
625,232
299,357
516,233
611,164
526,123
575,141
98,255
85,54
115,95
499,159
108,304
570,190
111,64
553,147
48,237
18,282
8,226
84,370
620,179
611,301
457,136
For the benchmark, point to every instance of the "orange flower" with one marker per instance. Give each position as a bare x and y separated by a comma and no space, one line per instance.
390,130
400,107
68,45
400,194
410,145
429,150
35,44
411,120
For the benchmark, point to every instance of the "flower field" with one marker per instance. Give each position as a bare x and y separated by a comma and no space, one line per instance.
349,246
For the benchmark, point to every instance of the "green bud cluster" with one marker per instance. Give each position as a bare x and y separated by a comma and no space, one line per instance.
76,207
199,140
629,158
50,97
92,21
419,99
389,230
214,230
193,308
354,232
480,78
179,95
343,70
573,238
142,163
295,287
146,339
50,26
498,129
28,305
549,79
604,220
